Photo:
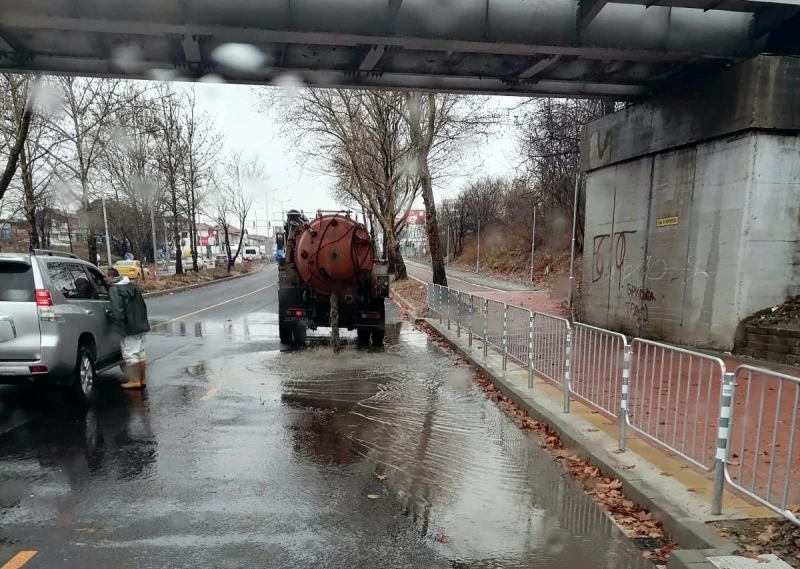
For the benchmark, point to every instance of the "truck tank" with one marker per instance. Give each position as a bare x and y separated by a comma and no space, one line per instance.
330,277
333,253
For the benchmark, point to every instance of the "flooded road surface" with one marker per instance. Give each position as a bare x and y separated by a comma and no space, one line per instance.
246,454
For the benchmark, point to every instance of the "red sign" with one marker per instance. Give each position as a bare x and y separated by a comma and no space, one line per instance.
415,217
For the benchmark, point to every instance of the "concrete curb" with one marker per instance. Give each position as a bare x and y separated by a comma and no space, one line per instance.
156,294
405,305
687,531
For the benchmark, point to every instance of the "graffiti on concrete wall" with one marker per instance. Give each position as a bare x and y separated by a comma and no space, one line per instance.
603,266
639,300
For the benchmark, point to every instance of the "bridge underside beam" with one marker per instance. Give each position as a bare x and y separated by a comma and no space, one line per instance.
620,49
347,79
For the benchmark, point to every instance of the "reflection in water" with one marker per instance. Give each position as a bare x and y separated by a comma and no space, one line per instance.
111,439
455,464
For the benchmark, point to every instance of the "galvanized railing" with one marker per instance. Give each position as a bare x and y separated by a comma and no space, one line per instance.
763,464
597,364
550,335
674,399
678,399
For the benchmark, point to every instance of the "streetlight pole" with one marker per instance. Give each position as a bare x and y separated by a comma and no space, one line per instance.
105,221
533,239
448,245
572,247
155,253
478,256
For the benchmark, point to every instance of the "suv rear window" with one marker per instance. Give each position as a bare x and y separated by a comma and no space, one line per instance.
16,282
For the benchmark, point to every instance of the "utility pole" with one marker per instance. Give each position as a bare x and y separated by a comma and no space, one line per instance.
478,256
155,252
448,245
533,239
572,248
105,221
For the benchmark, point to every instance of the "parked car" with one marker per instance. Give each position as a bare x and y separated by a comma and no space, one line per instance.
131,269
221,261
55,321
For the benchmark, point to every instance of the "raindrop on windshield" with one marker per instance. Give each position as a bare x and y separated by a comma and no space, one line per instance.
445,15
410,167
144,187
212,86
212,78
162,74
290,84
46,99
121,138
239,56
129,58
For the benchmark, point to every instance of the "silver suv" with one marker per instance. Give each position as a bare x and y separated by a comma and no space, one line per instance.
55,323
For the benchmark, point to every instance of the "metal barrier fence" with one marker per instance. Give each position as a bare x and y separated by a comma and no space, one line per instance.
464,309
550,346
495,321
519,327
681,400
765,453
597,367
674,399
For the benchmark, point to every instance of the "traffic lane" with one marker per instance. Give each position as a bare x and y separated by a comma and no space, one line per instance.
294,458
179,304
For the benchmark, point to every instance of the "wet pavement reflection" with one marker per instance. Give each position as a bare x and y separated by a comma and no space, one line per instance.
266,456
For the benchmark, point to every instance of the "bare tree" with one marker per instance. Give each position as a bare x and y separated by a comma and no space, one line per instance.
201,145
439,125
232,200
170,154
549,136
359,138
89,105
130,170
16,92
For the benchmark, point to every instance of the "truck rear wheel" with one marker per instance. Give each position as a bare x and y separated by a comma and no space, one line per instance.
300,333
363,336
377,337
285,333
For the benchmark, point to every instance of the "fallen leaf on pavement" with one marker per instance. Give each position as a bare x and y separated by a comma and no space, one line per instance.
441,538
382,477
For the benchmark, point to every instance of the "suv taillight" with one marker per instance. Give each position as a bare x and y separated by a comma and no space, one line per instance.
43,297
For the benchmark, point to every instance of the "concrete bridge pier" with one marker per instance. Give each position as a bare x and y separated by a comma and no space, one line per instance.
693,206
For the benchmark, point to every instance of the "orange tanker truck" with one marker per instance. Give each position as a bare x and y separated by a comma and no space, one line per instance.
330,277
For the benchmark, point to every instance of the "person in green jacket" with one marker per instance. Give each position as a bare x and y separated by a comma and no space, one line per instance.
129,313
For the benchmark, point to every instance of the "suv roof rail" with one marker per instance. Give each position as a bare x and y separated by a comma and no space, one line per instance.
51,253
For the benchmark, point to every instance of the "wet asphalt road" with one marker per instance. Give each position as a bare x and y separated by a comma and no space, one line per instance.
246,454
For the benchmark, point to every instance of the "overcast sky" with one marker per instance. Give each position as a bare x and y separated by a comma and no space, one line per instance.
235,110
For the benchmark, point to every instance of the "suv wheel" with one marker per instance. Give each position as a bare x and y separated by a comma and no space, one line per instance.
85,376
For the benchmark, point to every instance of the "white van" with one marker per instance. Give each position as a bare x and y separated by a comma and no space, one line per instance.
251,254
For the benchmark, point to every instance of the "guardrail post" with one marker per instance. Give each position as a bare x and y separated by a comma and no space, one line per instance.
485,327
723,434
567,371
505,336
469,330
530,351
458,317
623,402
448,309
